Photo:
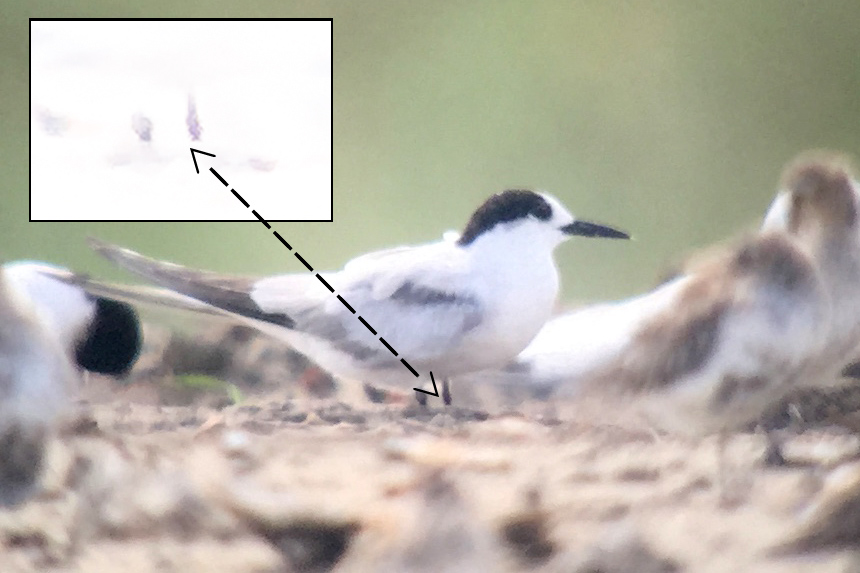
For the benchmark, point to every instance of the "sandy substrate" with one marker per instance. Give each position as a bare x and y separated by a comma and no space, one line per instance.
309,484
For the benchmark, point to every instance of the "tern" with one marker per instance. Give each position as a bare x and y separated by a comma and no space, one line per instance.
465,303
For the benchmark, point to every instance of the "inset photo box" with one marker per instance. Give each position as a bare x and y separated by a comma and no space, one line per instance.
117,106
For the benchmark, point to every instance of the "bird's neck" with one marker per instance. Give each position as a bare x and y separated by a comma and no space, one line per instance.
511,257
521,241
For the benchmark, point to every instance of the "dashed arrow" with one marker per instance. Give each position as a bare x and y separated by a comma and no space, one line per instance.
310,268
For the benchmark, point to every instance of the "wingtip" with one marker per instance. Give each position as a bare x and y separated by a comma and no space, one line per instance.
97,244
114,253
67,276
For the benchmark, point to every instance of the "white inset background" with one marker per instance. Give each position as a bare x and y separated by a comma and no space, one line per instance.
262,91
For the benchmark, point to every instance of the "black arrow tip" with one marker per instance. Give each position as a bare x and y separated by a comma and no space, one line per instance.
194,158
435,392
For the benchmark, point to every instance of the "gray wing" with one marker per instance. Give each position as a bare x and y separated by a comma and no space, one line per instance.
406,296
417,321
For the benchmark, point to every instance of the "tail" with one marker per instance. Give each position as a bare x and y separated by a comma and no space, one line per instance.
229,293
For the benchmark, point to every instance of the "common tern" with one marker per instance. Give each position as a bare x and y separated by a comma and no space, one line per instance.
462,304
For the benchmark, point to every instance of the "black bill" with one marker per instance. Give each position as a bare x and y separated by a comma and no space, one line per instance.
587,229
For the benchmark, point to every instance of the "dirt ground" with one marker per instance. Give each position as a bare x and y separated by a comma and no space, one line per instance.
286,481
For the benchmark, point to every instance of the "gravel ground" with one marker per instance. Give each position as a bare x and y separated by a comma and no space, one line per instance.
297,479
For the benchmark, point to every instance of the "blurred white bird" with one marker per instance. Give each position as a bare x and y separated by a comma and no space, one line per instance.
731,335
47,328
36,378
820,206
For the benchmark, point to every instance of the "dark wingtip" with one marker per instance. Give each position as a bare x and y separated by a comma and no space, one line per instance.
114,339
101,247
204,286
97,244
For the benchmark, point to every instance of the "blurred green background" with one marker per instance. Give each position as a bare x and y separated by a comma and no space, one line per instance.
669,119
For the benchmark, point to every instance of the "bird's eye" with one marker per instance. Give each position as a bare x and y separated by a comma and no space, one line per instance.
542,212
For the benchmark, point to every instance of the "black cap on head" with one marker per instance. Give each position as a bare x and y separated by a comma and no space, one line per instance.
113,340
505,207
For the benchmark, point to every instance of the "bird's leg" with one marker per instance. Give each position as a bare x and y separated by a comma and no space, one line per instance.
774,446
731,493
446,392
722,486
421,398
